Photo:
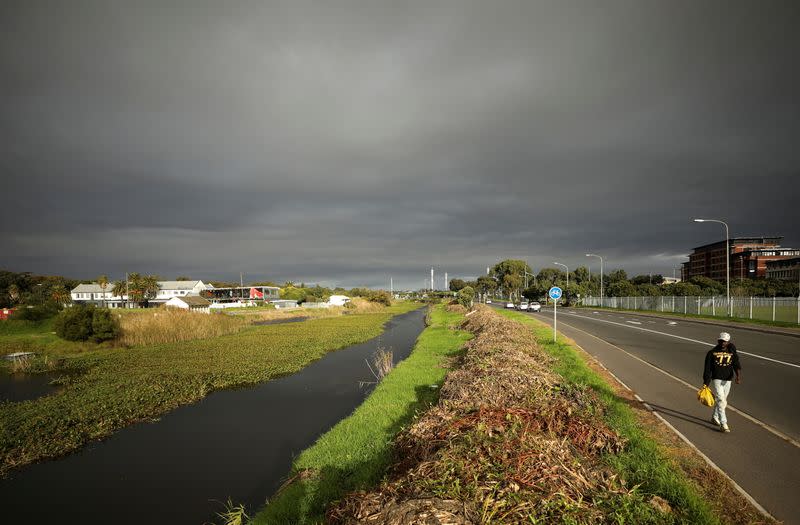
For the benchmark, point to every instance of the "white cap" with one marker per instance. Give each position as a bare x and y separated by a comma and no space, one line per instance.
724,336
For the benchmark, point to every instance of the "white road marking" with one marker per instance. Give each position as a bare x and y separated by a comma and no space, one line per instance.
745,415
633,322
672,323
684,338
686,440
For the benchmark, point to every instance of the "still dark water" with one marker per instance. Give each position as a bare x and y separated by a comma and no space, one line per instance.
234,443
21,387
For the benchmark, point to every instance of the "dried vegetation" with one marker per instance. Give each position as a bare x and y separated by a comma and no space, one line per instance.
508,442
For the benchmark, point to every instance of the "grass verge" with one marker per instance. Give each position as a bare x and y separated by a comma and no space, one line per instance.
678,315
658,464
122,386
355,453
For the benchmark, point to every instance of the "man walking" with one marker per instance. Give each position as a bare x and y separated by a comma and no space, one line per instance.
722,363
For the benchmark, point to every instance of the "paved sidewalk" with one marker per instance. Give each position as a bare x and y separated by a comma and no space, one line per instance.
764,465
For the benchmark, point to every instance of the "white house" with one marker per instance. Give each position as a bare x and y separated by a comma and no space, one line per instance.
190,302
93,294
338,300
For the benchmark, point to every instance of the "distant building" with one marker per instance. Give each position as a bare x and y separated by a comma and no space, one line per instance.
190,302
784,269
93,294
748,258
338,300
242,294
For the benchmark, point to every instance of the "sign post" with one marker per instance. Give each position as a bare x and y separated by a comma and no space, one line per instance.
555,294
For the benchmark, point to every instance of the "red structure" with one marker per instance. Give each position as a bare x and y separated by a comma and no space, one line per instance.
5,313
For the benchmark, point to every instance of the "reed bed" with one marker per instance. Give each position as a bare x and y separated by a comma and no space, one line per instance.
172,325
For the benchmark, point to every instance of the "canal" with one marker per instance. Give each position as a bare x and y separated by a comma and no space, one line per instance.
235,444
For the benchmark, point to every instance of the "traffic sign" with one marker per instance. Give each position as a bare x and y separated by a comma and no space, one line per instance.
555,293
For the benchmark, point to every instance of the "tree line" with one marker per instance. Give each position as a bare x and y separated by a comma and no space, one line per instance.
514,279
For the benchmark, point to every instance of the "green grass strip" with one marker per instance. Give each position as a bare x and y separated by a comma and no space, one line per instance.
355,453
642,462
678,315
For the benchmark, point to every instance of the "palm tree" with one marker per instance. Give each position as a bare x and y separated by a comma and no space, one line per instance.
119,289
150,287
13,293
103,282
60,294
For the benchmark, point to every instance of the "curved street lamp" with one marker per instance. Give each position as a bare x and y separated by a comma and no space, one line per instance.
601,275
566,268
727,259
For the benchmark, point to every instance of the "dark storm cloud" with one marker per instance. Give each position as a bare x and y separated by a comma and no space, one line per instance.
349,141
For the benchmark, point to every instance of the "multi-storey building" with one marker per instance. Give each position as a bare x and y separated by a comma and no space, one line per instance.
784,269
748,258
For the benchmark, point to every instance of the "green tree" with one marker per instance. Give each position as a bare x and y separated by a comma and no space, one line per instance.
457,284
510,273
60,294
465,296
617,275
105,327
486,284
75,323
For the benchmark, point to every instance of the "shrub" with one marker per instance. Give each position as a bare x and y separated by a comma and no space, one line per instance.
84,323
35,313
105,326
75,324
465,296
381,297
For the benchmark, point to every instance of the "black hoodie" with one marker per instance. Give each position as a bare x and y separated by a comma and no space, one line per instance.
721,363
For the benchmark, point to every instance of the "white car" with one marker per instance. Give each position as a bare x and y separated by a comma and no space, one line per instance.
488,301
535,306
523,305
509,305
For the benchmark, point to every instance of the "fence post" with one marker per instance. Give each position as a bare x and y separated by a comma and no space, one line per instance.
685,311
713,307
698,305
751,307
662,303
773,308
798,309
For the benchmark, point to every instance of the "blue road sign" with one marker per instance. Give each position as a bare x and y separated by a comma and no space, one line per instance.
555,293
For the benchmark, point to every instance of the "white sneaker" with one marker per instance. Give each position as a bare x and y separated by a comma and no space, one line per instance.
724,427
715,420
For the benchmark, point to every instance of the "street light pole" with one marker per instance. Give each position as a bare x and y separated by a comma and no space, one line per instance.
601,275
727,259
566,268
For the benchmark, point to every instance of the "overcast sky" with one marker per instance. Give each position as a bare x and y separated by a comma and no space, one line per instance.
347,142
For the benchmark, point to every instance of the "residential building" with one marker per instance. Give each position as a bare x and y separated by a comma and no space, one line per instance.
748,258
93,294
242,293
784,269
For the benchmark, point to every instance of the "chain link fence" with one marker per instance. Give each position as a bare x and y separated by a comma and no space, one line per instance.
786,309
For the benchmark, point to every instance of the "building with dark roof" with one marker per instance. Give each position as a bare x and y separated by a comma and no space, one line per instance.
784,269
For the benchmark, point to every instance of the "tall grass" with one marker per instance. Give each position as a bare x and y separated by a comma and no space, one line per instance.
172,325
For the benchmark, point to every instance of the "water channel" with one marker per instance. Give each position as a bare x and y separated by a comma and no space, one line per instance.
234,443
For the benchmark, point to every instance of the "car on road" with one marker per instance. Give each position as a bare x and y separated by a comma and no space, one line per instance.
523,305
488,301
534,306
509,305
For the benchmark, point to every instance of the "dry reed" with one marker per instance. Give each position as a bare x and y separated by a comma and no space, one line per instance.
170,325
508,442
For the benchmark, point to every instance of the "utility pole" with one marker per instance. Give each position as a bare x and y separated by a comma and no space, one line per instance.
445,282
432,279
127,291
391,286
241,285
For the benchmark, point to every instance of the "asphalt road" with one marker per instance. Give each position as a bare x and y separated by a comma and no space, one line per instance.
661,360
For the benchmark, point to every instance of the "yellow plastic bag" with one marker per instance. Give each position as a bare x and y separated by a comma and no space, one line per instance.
705,396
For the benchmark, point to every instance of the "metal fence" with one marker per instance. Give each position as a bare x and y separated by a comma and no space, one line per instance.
785,309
